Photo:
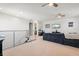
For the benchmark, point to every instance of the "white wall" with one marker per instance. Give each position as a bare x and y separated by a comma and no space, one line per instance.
12,23
64,27
9,25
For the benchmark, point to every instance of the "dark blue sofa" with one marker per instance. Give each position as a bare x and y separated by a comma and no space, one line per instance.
54,37
72,42
60,38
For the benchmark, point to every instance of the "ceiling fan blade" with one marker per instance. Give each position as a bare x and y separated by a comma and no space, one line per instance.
55,4
44,4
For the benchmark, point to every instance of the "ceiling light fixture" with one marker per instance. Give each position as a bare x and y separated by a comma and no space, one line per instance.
50,4
59,15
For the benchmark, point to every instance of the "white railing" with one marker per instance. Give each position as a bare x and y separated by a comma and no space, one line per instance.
14,38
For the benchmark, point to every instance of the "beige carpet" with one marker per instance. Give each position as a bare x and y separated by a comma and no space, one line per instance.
40,47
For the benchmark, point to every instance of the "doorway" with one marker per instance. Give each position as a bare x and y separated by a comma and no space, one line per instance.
33,30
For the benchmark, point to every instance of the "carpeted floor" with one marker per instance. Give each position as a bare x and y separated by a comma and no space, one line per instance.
40,47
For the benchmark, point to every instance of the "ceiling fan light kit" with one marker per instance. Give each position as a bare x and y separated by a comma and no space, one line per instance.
50,5
59,15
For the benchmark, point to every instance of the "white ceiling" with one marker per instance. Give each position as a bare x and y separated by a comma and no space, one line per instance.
36,12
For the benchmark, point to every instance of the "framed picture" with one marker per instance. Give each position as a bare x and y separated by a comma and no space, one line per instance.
70,24
47,26
56,26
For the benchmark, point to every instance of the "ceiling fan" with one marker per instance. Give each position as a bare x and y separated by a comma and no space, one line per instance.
59,15
50,4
